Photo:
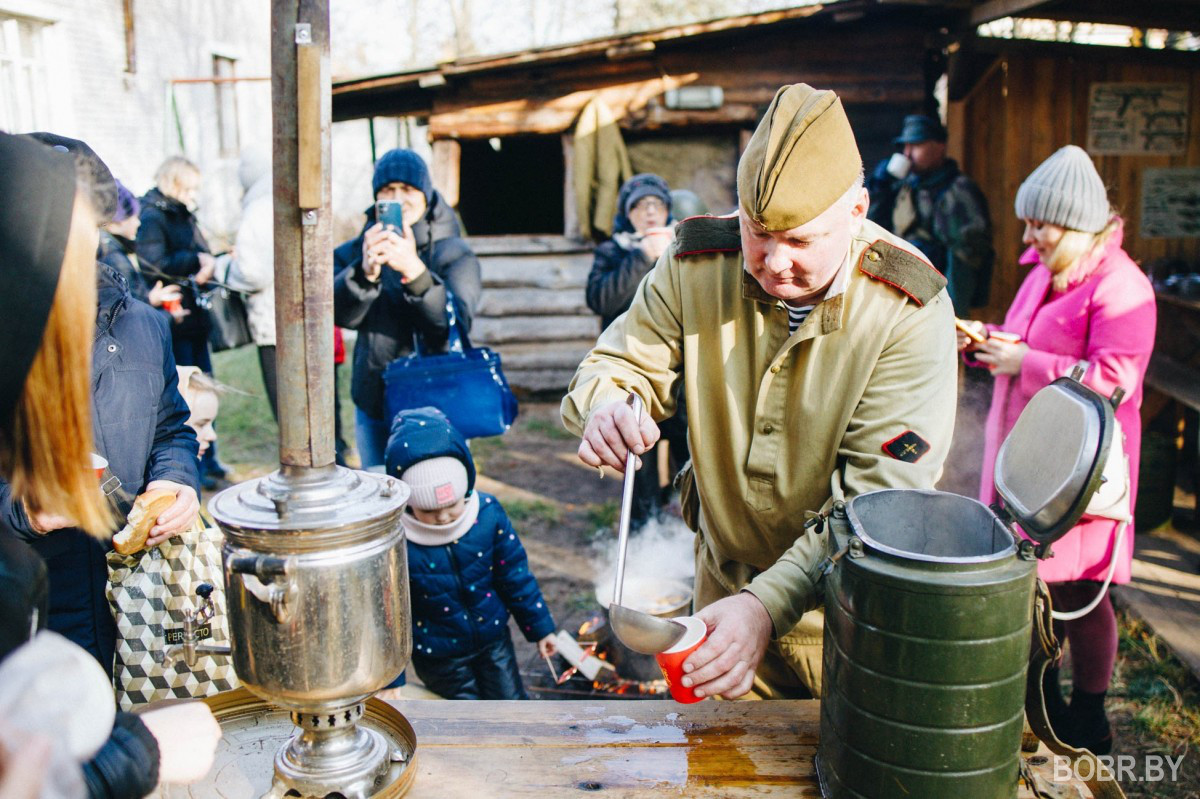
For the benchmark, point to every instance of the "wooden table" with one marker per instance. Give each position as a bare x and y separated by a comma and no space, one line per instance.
621,748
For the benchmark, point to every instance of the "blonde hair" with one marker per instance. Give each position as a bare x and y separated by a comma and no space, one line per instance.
1074,252
47,452
171,174
193,381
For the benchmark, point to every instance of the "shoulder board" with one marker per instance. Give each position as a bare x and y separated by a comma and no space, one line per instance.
906,271
697,235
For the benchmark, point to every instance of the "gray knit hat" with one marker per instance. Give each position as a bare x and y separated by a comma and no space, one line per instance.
1066,190
436,482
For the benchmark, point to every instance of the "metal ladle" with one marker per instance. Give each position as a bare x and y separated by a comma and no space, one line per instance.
639,631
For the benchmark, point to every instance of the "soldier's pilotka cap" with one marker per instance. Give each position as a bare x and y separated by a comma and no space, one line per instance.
801,159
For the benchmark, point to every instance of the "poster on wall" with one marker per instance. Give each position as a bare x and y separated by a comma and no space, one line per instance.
1137,118
1171,203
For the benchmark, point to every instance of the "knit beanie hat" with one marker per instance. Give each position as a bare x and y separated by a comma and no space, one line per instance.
1065,190
127,204
646,185
403,166
436,482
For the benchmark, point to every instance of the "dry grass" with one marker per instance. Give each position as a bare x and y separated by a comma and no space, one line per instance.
1154,704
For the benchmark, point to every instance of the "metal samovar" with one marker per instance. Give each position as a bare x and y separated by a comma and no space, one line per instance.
316,570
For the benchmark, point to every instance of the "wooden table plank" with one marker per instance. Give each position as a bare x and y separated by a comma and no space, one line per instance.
614,748
619,748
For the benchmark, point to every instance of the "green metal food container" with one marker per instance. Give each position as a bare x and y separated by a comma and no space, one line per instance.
929,608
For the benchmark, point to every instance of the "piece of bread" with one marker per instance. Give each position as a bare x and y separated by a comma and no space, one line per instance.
145,512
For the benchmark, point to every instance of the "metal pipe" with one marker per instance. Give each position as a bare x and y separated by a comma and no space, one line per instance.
301,99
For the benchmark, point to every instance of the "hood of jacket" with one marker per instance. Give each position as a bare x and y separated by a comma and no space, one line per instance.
112,295
621,223
425,433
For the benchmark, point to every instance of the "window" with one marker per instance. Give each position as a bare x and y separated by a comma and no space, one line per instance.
226,94
24,76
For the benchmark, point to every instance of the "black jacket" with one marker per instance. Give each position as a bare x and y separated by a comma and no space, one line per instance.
115,251
139,421
388,313
618,266
169,242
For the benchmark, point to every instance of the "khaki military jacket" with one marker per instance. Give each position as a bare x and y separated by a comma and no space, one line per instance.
861,397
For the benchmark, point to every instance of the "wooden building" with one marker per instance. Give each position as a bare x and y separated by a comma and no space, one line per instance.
502,130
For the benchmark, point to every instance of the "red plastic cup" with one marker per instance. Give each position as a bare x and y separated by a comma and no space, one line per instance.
171,306
671,661
99,464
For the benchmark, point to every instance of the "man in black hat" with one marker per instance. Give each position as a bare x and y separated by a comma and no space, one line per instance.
921,195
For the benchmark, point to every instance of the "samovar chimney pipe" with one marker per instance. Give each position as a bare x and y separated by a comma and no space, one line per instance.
302,118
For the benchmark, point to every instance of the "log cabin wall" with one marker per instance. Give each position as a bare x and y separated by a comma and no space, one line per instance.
1034,99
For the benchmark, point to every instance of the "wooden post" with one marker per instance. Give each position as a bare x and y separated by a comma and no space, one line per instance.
447,160
570,207
303,113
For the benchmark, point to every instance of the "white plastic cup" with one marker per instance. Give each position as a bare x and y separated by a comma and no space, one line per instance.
898,166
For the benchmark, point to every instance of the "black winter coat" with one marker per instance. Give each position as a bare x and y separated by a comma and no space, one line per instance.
169,241
115,251
617,270
140,427
388,313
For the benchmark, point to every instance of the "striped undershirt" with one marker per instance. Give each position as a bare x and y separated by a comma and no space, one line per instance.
796,316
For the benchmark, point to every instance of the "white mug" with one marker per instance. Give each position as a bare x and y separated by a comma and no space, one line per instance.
898,166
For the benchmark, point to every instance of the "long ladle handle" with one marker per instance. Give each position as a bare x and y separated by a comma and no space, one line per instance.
634,402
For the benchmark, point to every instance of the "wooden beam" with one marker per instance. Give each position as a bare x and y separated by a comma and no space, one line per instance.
447,163
998,9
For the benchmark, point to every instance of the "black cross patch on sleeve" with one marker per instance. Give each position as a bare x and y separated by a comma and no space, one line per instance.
908,447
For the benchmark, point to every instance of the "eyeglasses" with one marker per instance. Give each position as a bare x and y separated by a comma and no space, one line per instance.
649,204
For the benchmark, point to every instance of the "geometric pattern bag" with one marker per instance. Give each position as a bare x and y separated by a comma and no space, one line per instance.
149,593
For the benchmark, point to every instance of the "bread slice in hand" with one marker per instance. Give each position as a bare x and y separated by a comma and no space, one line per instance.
145,512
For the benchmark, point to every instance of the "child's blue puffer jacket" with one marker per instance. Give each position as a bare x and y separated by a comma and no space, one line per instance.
462,592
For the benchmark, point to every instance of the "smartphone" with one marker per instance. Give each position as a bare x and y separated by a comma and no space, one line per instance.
390,214
969,331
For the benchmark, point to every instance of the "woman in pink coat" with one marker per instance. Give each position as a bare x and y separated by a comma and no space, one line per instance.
1083,300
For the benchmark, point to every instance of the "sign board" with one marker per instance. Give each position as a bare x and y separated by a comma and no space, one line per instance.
1170,203
1137,118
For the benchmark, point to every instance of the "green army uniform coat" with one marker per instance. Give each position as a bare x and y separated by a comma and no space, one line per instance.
861,397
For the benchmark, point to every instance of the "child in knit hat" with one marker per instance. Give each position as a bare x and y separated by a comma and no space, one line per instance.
467,569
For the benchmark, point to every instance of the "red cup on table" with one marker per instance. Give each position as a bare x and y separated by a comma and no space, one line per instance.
671,661
99,464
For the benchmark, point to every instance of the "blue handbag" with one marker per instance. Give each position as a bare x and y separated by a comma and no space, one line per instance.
466,383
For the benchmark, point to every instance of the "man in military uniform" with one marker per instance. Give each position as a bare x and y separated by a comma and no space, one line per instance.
817,355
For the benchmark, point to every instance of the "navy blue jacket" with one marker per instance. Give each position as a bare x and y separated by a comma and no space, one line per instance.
462,592
140,426
388,313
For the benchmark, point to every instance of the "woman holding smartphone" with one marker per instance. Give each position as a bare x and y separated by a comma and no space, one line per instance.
1084,299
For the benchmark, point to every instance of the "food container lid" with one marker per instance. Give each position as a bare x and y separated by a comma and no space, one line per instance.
1051,463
